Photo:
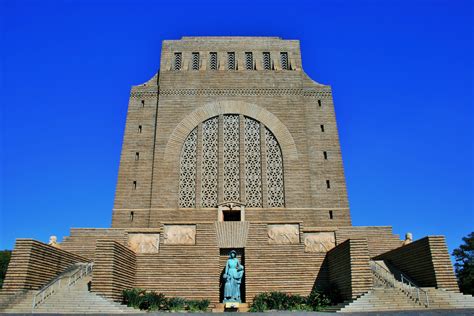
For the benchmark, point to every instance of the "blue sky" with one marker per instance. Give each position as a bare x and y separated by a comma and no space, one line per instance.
401,73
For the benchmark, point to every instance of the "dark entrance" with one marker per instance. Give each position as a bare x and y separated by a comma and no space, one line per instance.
224,255
231,216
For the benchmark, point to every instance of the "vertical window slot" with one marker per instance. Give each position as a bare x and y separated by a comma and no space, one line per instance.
284,61
249,61
178,57
213,61
267,63
231,61
195,61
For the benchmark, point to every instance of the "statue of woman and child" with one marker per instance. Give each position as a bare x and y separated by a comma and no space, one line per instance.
234,271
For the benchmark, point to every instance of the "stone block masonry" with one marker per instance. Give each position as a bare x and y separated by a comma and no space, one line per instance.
34,263
114,269
231,145
426,261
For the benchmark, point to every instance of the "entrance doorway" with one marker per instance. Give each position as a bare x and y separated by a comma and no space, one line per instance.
224,255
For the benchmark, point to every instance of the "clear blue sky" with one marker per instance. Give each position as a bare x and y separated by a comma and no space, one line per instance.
401,73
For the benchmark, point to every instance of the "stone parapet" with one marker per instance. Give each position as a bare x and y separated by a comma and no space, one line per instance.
349,268
33,264
426,261
114,269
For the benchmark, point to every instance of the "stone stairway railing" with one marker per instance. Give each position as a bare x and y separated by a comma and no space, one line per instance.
78,271
414,292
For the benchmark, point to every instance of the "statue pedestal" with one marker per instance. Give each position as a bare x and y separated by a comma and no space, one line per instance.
231,307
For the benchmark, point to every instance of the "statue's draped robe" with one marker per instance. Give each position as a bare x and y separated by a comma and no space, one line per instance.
233,274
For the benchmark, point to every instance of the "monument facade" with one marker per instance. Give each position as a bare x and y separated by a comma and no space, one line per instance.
231,146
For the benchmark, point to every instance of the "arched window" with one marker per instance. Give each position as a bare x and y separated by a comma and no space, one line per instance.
247,164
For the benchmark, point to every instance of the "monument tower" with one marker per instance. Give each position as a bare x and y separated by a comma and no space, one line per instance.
231,146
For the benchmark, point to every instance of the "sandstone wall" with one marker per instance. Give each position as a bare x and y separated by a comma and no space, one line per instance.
114,269
426,261
349,268
284,267
292,105
380,239
82,241
190,271
33,264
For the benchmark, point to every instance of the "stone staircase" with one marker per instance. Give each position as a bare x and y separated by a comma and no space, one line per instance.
75,299
381,299
442,299
389,294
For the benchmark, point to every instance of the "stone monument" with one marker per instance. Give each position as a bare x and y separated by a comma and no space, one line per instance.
231,146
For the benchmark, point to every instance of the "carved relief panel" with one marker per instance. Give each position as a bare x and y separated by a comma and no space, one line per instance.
144,242
283,234
179,235
319,241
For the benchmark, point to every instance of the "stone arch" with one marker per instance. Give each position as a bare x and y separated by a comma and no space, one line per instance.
182,130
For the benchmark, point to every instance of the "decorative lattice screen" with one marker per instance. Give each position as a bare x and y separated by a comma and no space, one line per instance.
187,178
259,146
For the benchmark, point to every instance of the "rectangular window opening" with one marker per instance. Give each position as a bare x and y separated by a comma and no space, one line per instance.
134,185
331,215
137,155
231,61
143,103
325,154
267,63
231,216
328,184
132,214
139,129
213,61
178,57
249,61
195,61
319,103
284,61
322,128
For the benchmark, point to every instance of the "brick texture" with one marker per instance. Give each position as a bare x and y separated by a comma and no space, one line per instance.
426,261
114,269
349,268
33,264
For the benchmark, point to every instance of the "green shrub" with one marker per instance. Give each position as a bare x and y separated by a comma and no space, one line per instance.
197,306
133,297
152,301
278,301
5,256
259,303
176,304
316,301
